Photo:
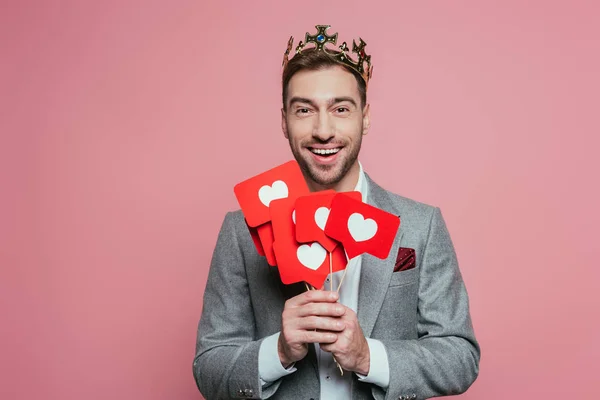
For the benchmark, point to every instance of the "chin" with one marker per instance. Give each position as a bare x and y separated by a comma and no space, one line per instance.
325,176
322,175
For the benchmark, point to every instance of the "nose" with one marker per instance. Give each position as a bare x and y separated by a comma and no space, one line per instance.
324,128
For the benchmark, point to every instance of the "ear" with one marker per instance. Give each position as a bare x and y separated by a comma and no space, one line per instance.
366,119
283,124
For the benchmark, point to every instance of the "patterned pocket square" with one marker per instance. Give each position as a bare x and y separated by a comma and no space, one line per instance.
405,259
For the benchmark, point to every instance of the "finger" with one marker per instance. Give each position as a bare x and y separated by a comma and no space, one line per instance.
319,309
292,316
333,347
302,337
348,315
340,346
312,296
320,323
327,347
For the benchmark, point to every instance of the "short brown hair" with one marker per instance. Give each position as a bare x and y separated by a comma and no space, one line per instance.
313,60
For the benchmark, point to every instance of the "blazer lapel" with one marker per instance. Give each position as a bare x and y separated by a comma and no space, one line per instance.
375,273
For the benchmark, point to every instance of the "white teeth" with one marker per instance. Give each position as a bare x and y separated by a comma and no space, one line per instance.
325,151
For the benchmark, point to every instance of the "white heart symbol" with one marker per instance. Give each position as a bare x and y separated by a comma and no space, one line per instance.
361,229
278,190
311,256
321,216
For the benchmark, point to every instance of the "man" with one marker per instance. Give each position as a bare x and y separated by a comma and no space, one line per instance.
396,333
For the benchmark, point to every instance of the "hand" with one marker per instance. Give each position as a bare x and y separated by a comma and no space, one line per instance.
310,317
351,349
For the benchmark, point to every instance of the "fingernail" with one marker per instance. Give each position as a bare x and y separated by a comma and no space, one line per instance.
333,295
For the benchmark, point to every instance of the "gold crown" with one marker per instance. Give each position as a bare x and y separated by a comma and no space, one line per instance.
321,38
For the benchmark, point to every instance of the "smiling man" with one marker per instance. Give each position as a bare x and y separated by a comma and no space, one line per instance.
324,119
399,329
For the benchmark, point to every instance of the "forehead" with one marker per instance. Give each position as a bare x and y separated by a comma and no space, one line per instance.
323,84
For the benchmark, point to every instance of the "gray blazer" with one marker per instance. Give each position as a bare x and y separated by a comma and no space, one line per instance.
421,315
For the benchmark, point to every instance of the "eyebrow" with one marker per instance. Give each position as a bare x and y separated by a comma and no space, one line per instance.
331,102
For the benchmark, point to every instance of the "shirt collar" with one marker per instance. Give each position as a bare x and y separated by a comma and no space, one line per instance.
361,185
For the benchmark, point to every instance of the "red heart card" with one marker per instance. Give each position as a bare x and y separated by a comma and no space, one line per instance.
306,262
361,228
255,194
312,212
299,262
291,270
265,233
282,220
256,239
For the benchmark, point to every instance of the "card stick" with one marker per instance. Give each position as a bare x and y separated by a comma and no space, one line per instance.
345,270
331,271
342,281
338,290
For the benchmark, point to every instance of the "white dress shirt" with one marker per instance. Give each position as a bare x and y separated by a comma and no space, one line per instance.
333,384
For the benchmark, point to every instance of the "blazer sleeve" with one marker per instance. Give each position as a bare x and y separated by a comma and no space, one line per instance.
444,360
226,361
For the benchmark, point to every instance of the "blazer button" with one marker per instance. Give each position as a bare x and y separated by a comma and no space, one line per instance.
413,396
240,393
248,392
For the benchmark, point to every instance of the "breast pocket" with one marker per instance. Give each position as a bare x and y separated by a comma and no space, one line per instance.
404,277
398,316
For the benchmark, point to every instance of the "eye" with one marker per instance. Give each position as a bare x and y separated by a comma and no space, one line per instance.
302,111
341,110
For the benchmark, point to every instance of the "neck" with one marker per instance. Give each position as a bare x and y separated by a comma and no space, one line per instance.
346,184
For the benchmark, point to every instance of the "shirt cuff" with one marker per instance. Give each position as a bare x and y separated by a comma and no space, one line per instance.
379,368
269,365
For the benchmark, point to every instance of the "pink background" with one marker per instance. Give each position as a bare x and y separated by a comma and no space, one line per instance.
125,125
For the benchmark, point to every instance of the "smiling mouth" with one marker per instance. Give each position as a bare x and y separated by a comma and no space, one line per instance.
325,152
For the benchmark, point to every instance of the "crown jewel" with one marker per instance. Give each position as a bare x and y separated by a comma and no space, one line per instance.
321,38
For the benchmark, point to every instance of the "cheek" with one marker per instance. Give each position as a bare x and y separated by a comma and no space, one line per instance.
350,128
298,129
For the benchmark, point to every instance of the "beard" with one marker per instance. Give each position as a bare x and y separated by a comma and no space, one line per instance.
326,175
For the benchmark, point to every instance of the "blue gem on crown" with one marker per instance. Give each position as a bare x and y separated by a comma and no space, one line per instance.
321,38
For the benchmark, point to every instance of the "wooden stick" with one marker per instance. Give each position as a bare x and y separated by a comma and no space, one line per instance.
331,286
345,270
342,281
330,271
306,285
340,368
